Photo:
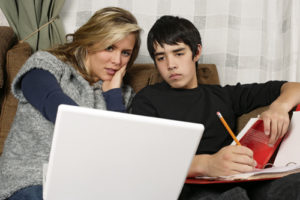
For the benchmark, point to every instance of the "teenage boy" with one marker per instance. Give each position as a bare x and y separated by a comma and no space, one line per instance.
175,46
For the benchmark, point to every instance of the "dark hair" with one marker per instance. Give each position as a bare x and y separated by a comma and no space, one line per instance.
171,30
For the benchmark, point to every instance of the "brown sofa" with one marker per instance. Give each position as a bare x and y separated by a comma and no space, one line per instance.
14,54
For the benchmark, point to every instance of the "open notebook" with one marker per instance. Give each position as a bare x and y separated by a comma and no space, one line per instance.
286,157
98,154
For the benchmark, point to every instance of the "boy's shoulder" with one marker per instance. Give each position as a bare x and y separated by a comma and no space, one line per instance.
163,88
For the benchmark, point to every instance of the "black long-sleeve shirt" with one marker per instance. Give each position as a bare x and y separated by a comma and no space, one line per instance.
200,105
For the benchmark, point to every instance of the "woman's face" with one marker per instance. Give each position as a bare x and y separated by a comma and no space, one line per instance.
102,65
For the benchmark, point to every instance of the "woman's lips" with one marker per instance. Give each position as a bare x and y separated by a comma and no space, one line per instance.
110,71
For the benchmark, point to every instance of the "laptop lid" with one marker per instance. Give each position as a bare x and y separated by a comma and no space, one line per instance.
97,154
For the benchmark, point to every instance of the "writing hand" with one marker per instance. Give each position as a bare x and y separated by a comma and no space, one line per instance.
231,160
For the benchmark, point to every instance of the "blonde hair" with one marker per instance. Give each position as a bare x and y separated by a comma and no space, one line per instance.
106,27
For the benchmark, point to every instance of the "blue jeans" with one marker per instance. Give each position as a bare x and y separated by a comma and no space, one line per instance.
34,192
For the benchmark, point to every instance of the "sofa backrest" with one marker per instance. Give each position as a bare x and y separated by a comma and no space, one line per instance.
13,57
141,75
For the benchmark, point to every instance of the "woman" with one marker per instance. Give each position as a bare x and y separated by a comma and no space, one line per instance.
88,71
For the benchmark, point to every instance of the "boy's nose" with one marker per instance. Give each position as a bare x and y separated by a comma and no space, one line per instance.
171,64
171,67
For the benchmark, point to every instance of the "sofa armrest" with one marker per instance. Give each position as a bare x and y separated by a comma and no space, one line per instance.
16,57
7,40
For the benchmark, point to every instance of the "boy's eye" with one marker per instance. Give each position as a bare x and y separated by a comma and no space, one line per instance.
179,54
159,58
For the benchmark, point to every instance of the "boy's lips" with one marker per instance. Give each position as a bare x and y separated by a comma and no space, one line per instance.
174,76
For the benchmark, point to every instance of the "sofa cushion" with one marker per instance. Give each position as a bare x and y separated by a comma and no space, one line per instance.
243,120
16,57
7,39
141,75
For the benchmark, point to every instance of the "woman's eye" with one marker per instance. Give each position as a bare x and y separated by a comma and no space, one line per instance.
126,53
110,48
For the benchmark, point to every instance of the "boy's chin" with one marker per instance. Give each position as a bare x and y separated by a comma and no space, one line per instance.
179,85
175,85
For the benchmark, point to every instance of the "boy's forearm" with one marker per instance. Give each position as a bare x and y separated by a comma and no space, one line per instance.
289,96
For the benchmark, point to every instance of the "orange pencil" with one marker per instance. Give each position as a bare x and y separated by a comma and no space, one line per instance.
228,128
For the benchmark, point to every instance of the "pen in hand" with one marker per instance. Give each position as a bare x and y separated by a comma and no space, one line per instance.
228,128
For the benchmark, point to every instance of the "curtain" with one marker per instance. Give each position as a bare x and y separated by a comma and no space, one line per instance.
248,40
26,16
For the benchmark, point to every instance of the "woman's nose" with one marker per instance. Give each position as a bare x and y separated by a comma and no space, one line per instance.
116,58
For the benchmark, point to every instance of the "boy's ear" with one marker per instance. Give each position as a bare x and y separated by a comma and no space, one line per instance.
198,53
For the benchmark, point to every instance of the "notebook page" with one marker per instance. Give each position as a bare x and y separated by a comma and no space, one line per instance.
290,147
272,170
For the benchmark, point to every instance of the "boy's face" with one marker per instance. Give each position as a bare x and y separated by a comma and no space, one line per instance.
176,65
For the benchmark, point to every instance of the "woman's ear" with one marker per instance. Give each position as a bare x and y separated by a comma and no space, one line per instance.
198,53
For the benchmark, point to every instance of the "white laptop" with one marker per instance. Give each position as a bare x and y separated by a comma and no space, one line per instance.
98,154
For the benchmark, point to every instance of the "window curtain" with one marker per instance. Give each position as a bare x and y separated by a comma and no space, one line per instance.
26,16
248,40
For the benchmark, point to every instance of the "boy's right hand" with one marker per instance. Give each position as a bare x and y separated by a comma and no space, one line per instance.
231,160
227,161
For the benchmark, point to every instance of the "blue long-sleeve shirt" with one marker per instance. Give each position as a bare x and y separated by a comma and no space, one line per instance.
43,92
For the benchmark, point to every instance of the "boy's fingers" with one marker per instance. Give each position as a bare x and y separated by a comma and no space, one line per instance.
241,168
245,160
279,130
267,123
273,133
284,129
243,150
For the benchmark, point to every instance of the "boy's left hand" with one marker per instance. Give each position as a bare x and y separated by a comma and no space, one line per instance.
276,122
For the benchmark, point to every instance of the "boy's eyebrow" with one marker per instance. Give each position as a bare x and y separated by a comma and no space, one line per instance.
158,53
177,50
174,51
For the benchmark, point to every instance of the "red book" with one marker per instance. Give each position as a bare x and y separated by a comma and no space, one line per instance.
257,140
298,108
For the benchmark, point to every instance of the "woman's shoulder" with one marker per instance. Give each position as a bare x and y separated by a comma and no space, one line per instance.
44,57
46,61
41,60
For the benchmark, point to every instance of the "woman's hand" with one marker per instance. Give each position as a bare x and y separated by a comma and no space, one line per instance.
227,161
116,80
